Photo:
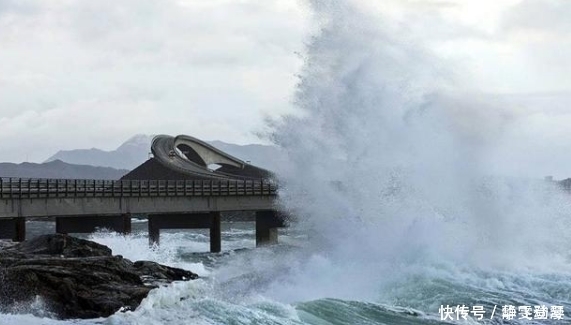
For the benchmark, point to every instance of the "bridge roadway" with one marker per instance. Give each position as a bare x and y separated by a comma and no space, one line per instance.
84,205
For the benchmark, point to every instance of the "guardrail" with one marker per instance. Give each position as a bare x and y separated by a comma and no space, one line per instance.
29,188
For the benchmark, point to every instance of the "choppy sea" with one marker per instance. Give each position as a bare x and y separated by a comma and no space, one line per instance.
288,284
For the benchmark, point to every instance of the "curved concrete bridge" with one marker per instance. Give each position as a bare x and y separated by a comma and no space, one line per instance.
177,188
186,157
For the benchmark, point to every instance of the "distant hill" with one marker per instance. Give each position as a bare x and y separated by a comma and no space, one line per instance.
135,151
59,169
129,155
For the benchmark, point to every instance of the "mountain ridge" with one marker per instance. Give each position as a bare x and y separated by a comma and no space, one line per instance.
136,150
59,169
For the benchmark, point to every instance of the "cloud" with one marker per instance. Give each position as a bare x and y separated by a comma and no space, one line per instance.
542,16
81,74
85,74
538,34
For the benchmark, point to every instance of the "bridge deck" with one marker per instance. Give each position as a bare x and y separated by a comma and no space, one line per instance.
83,205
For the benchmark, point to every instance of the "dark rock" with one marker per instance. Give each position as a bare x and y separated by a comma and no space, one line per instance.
157,272
77,278
61,245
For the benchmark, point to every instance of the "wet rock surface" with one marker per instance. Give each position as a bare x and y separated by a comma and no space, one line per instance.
77,278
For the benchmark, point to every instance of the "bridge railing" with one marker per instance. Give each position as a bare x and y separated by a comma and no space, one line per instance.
24,188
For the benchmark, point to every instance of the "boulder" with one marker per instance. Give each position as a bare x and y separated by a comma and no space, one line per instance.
77,278
60,245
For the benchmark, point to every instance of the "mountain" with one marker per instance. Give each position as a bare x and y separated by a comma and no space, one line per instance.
59,169
129,155
135,151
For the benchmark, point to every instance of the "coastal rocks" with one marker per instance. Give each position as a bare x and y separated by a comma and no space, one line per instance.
77,278
60,245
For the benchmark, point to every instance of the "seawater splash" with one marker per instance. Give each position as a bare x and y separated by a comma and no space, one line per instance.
136,247
388,171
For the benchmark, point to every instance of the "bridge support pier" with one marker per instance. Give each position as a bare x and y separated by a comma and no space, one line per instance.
267,223
14,228
209,220
215,233
88,224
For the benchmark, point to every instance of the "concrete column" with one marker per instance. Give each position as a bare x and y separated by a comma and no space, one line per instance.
266,236
154,231
186,221
127,223
267,223
20,229
7,228
215,233
13,228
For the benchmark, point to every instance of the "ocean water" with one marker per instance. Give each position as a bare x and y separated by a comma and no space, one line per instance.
398,208
288,284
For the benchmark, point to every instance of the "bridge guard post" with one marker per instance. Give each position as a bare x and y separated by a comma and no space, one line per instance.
267,223
215,233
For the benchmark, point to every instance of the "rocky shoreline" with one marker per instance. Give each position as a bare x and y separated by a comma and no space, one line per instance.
77,278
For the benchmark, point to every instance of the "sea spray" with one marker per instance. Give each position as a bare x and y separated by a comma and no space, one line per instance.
136,247
387,171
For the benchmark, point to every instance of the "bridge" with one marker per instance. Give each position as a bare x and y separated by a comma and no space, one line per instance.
185,193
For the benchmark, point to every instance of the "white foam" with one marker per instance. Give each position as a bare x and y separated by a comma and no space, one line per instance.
388,170
136,247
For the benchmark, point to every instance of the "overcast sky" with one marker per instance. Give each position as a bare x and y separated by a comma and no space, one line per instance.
82,74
